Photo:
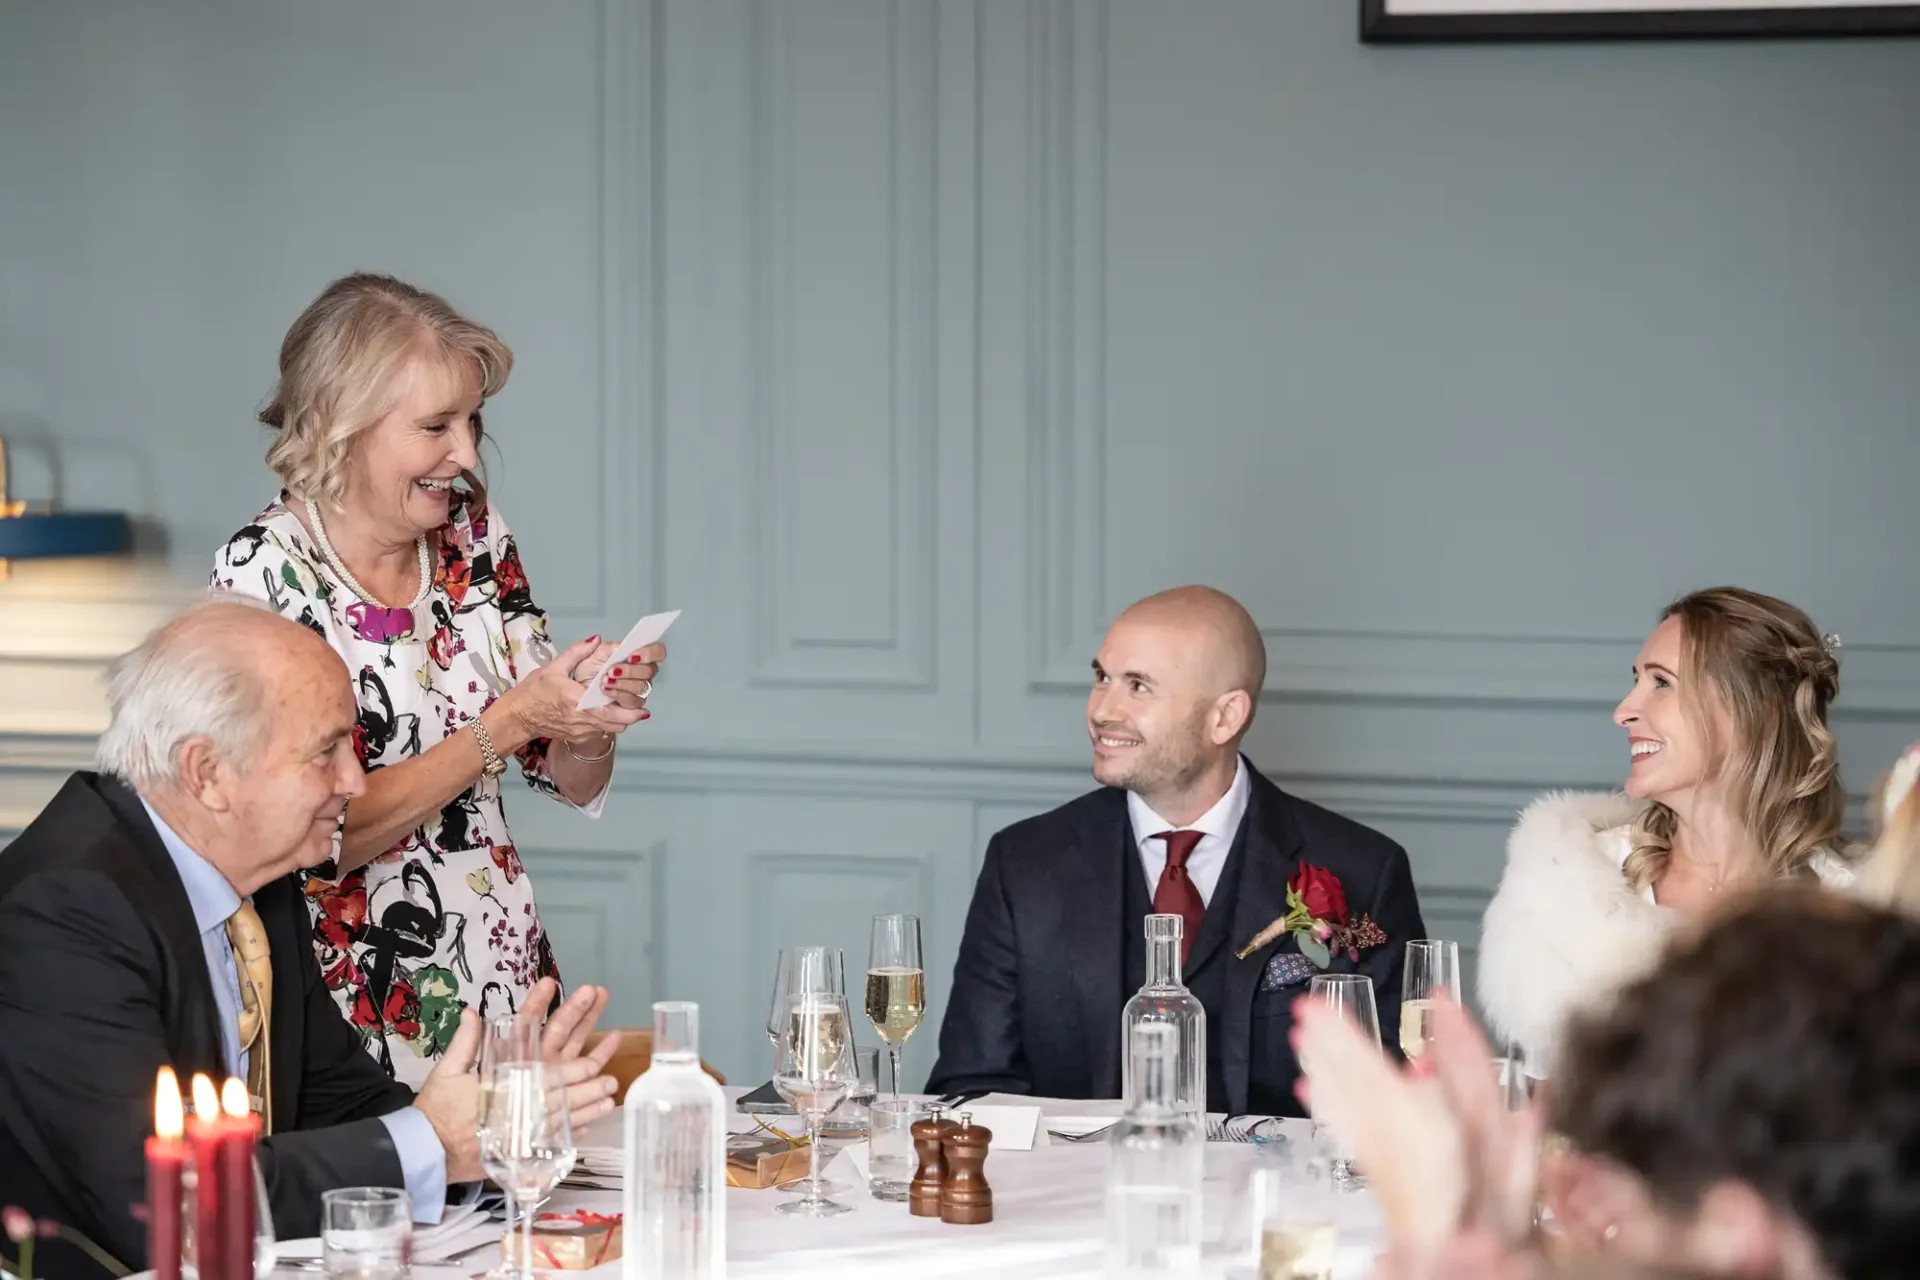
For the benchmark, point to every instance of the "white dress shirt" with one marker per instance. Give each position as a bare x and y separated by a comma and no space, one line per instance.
423,1162
1218,826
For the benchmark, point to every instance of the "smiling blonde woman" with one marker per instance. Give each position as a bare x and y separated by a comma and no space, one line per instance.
1733,780
383,541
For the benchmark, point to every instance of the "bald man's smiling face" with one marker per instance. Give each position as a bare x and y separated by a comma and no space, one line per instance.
1148,712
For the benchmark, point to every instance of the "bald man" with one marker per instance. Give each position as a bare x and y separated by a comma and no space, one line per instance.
1182,825
149,917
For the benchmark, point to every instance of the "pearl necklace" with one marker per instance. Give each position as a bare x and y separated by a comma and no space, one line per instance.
353,583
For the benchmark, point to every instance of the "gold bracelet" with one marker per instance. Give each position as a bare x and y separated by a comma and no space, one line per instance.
589,759
491,765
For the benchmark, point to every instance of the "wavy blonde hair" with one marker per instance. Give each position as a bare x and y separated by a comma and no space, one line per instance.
338,367
1772,672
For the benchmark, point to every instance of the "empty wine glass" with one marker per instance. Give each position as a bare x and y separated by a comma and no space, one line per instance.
814,1070
1432,972
526,1146
1351,994
896,996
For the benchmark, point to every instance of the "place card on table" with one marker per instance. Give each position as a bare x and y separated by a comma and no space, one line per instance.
1014,1128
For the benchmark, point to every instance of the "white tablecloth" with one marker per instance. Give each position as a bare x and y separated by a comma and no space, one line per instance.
1048,1209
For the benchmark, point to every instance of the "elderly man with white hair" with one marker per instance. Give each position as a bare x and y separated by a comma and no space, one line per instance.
148,918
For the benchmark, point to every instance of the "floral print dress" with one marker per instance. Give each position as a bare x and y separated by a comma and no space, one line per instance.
445,919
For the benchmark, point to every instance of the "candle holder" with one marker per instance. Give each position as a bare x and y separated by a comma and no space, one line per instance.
264,1257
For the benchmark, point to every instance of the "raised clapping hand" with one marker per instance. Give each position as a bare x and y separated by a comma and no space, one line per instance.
1447,1162
546,701
450,1096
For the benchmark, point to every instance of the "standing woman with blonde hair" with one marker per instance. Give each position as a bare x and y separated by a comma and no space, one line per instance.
415,581
1732,780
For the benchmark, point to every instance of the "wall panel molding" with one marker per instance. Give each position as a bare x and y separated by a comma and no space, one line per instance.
602,911
1065,310
899,655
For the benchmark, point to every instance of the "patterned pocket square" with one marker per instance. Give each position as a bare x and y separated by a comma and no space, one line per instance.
1286,969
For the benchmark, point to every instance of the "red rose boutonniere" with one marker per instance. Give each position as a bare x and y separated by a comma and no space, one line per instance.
1318,919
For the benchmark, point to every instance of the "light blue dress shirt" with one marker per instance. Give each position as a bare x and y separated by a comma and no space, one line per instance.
422,1159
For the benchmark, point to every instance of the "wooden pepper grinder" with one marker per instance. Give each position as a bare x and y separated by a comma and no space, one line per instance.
965,1198
929,1138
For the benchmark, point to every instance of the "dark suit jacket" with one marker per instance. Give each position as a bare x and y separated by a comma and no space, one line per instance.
103,979
1037,994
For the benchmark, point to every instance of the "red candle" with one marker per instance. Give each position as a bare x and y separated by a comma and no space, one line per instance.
166,1162
238,1201
207,1131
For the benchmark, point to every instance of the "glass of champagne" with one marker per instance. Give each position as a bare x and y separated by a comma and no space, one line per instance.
896,984
1432,972
1350,994
814,1070
800,972
526,1146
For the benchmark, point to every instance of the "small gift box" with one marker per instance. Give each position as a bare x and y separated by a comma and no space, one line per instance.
754,1161
578,1241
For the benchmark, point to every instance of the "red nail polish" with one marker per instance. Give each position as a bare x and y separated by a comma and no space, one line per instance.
616,671
646,715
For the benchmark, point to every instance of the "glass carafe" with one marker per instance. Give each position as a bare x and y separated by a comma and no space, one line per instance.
1165,1001
676,1158
1153,1179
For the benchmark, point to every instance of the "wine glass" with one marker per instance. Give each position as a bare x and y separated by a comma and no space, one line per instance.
803,971
896,984
814,1070
1350,994
777,1003
1433,971
526,1145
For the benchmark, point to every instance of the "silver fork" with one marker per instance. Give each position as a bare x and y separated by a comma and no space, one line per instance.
1234,1129
1091,1135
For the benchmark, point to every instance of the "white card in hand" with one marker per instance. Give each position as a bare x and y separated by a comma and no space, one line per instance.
645,632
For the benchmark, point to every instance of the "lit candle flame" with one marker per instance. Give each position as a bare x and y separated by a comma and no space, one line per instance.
233,1099
206,1101
168,1117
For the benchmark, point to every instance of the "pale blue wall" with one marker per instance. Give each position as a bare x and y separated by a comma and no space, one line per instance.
900,344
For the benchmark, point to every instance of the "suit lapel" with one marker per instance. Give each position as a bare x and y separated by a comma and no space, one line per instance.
1092,901
198,1045
1272,851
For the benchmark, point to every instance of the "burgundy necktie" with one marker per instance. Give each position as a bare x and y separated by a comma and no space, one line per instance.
1176,895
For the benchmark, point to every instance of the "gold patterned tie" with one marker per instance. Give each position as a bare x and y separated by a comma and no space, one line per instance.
255,967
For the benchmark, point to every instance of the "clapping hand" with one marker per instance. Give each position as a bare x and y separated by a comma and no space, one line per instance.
450,1096
1442,1153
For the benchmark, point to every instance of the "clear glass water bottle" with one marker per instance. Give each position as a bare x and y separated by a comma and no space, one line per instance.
676,1159
1165,1001
1153,1181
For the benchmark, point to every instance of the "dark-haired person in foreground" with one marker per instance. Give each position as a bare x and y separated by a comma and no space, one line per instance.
149,918
1749,1109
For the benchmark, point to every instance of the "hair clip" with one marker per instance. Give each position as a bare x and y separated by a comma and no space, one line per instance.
1831,643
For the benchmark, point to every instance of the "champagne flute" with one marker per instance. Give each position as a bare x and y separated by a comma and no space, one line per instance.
505,1039
1432,971
814,1070
777,1003
803,972
896,984
1351,995
526,1147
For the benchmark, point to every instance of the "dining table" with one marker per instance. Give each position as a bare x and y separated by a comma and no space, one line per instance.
1049,1207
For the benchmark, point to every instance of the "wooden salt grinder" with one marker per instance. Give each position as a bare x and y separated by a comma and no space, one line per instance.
929,1137
965,1198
